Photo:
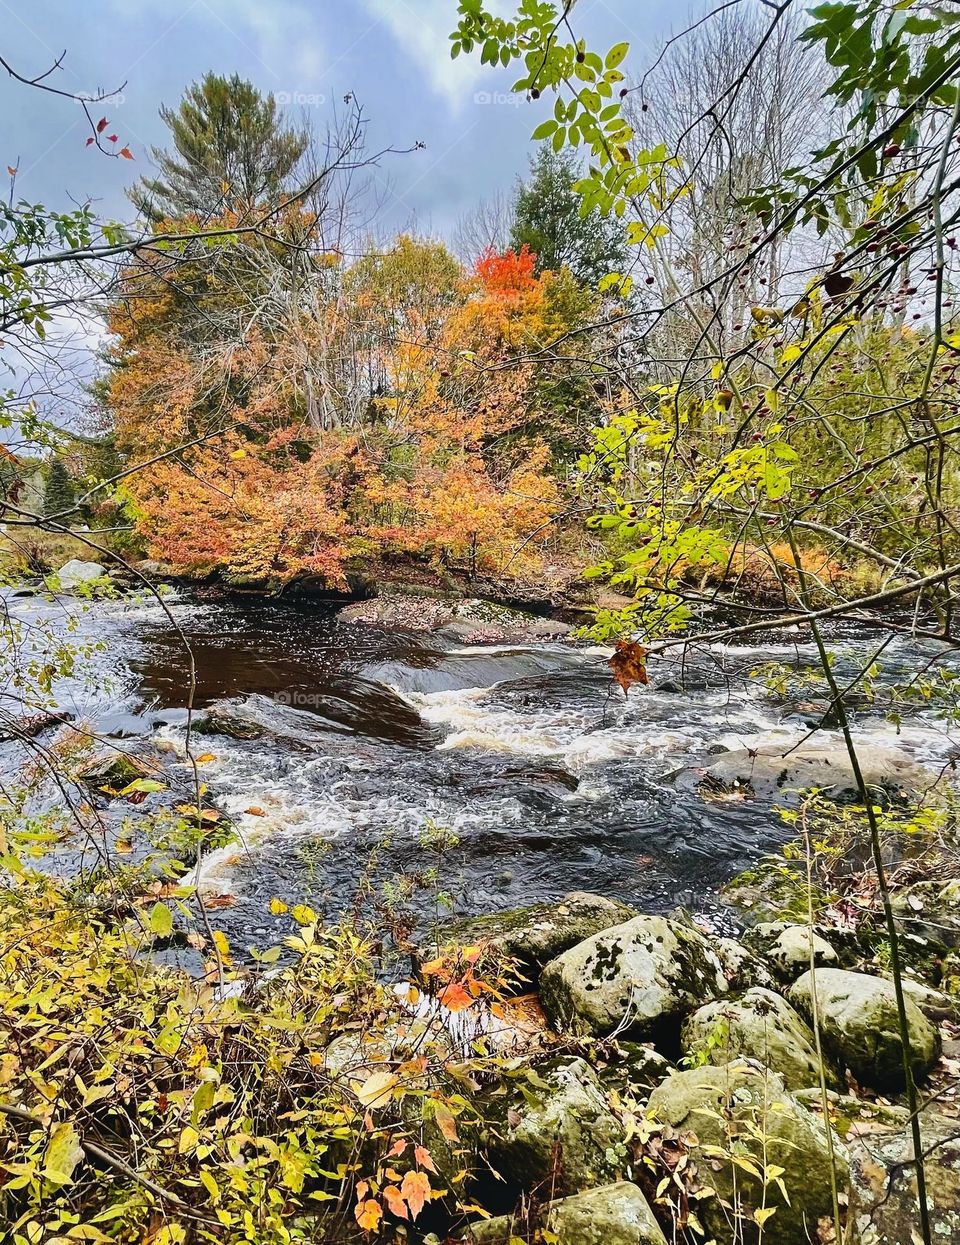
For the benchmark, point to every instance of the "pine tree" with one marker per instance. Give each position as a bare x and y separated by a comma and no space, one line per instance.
229,145
58,494
546,218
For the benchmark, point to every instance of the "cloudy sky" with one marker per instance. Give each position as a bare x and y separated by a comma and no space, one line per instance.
393,54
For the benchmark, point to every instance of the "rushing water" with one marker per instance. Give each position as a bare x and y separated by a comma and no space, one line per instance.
550,778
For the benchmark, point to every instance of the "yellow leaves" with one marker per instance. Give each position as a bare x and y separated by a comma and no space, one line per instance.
161,920
762,1213
277,906
377,1089
368,1214
63,1153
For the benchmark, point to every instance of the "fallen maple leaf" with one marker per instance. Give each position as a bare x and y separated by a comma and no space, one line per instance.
629,664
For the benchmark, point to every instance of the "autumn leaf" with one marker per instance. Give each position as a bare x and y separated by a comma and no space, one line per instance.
423,1158
255,811
368,1215
394,1200
89,141
446,1122
376,1089
455,998
416,1191
126,153
11,170
397,1148
101,125
205,758
64,1152
629,664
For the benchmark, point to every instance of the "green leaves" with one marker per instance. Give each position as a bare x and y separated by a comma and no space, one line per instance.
161,920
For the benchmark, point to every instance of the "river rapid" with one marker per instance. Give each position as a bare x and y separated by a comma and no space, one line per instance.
549,777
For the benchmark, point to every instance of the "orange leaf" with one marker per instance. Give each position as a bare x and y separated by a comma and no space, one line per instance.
397,1148
126,153
256,811
455,998
431,968
11,170
368,1215
205,757
394,1201
445,1122
423,1158
416,1190
629,664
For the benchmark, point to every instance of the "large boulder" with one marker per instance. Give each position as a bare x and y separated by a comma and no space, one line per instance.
638,979
761,1026
76,574
552,1126
768,769
859,1021
884,1208
741,967
786,948
740,1120
614,1214
533,936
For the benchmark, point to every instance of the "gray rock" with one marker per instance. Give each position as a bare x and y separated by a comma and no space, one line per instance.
934,1004
744,1110
930,910
761,1026
769,769
858,1019
533,936
614,1214
884,1209
74,574
552,1125
629,1067
786,948
634,979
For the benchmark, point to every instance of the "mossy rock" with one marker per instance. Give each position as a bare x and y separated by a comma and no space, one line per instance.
638,979
551,1126
884,1207
629,1068
614,1214
741,967
533,936
761,1026
743,1113
859,1022
786,948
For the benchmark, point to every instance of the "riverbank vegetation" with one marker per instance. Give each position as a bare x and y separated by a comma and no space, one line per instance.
705,359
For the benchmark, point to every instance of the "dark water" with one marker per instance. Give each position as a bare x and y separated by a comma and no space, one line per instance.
550,779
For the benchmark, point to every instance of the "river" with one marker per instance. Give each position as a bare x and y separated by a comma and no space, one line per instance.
550,778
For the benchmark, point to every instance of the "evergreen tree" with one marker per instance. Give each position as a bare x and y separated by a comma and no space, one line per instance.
546,218
58,494
229,145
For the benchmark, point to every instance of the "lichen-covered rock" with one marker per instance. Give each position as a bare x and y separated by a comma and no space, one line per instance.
930,910
638,978
786,948
629,1067
533,936
741,967
934,1004
614,1214
884,1209
552,1125
859,1022
762,1026
742,1110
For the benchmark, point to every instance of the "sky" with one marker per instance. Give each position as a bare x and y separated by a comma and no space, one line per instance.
393,55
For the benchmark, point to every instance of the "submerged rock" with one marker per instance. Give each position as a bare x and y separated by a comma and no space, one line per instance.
533,936
858,1019
614,1214
745,1111
761,1026
552,1125
635,979
769,769
786,948
884,1208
